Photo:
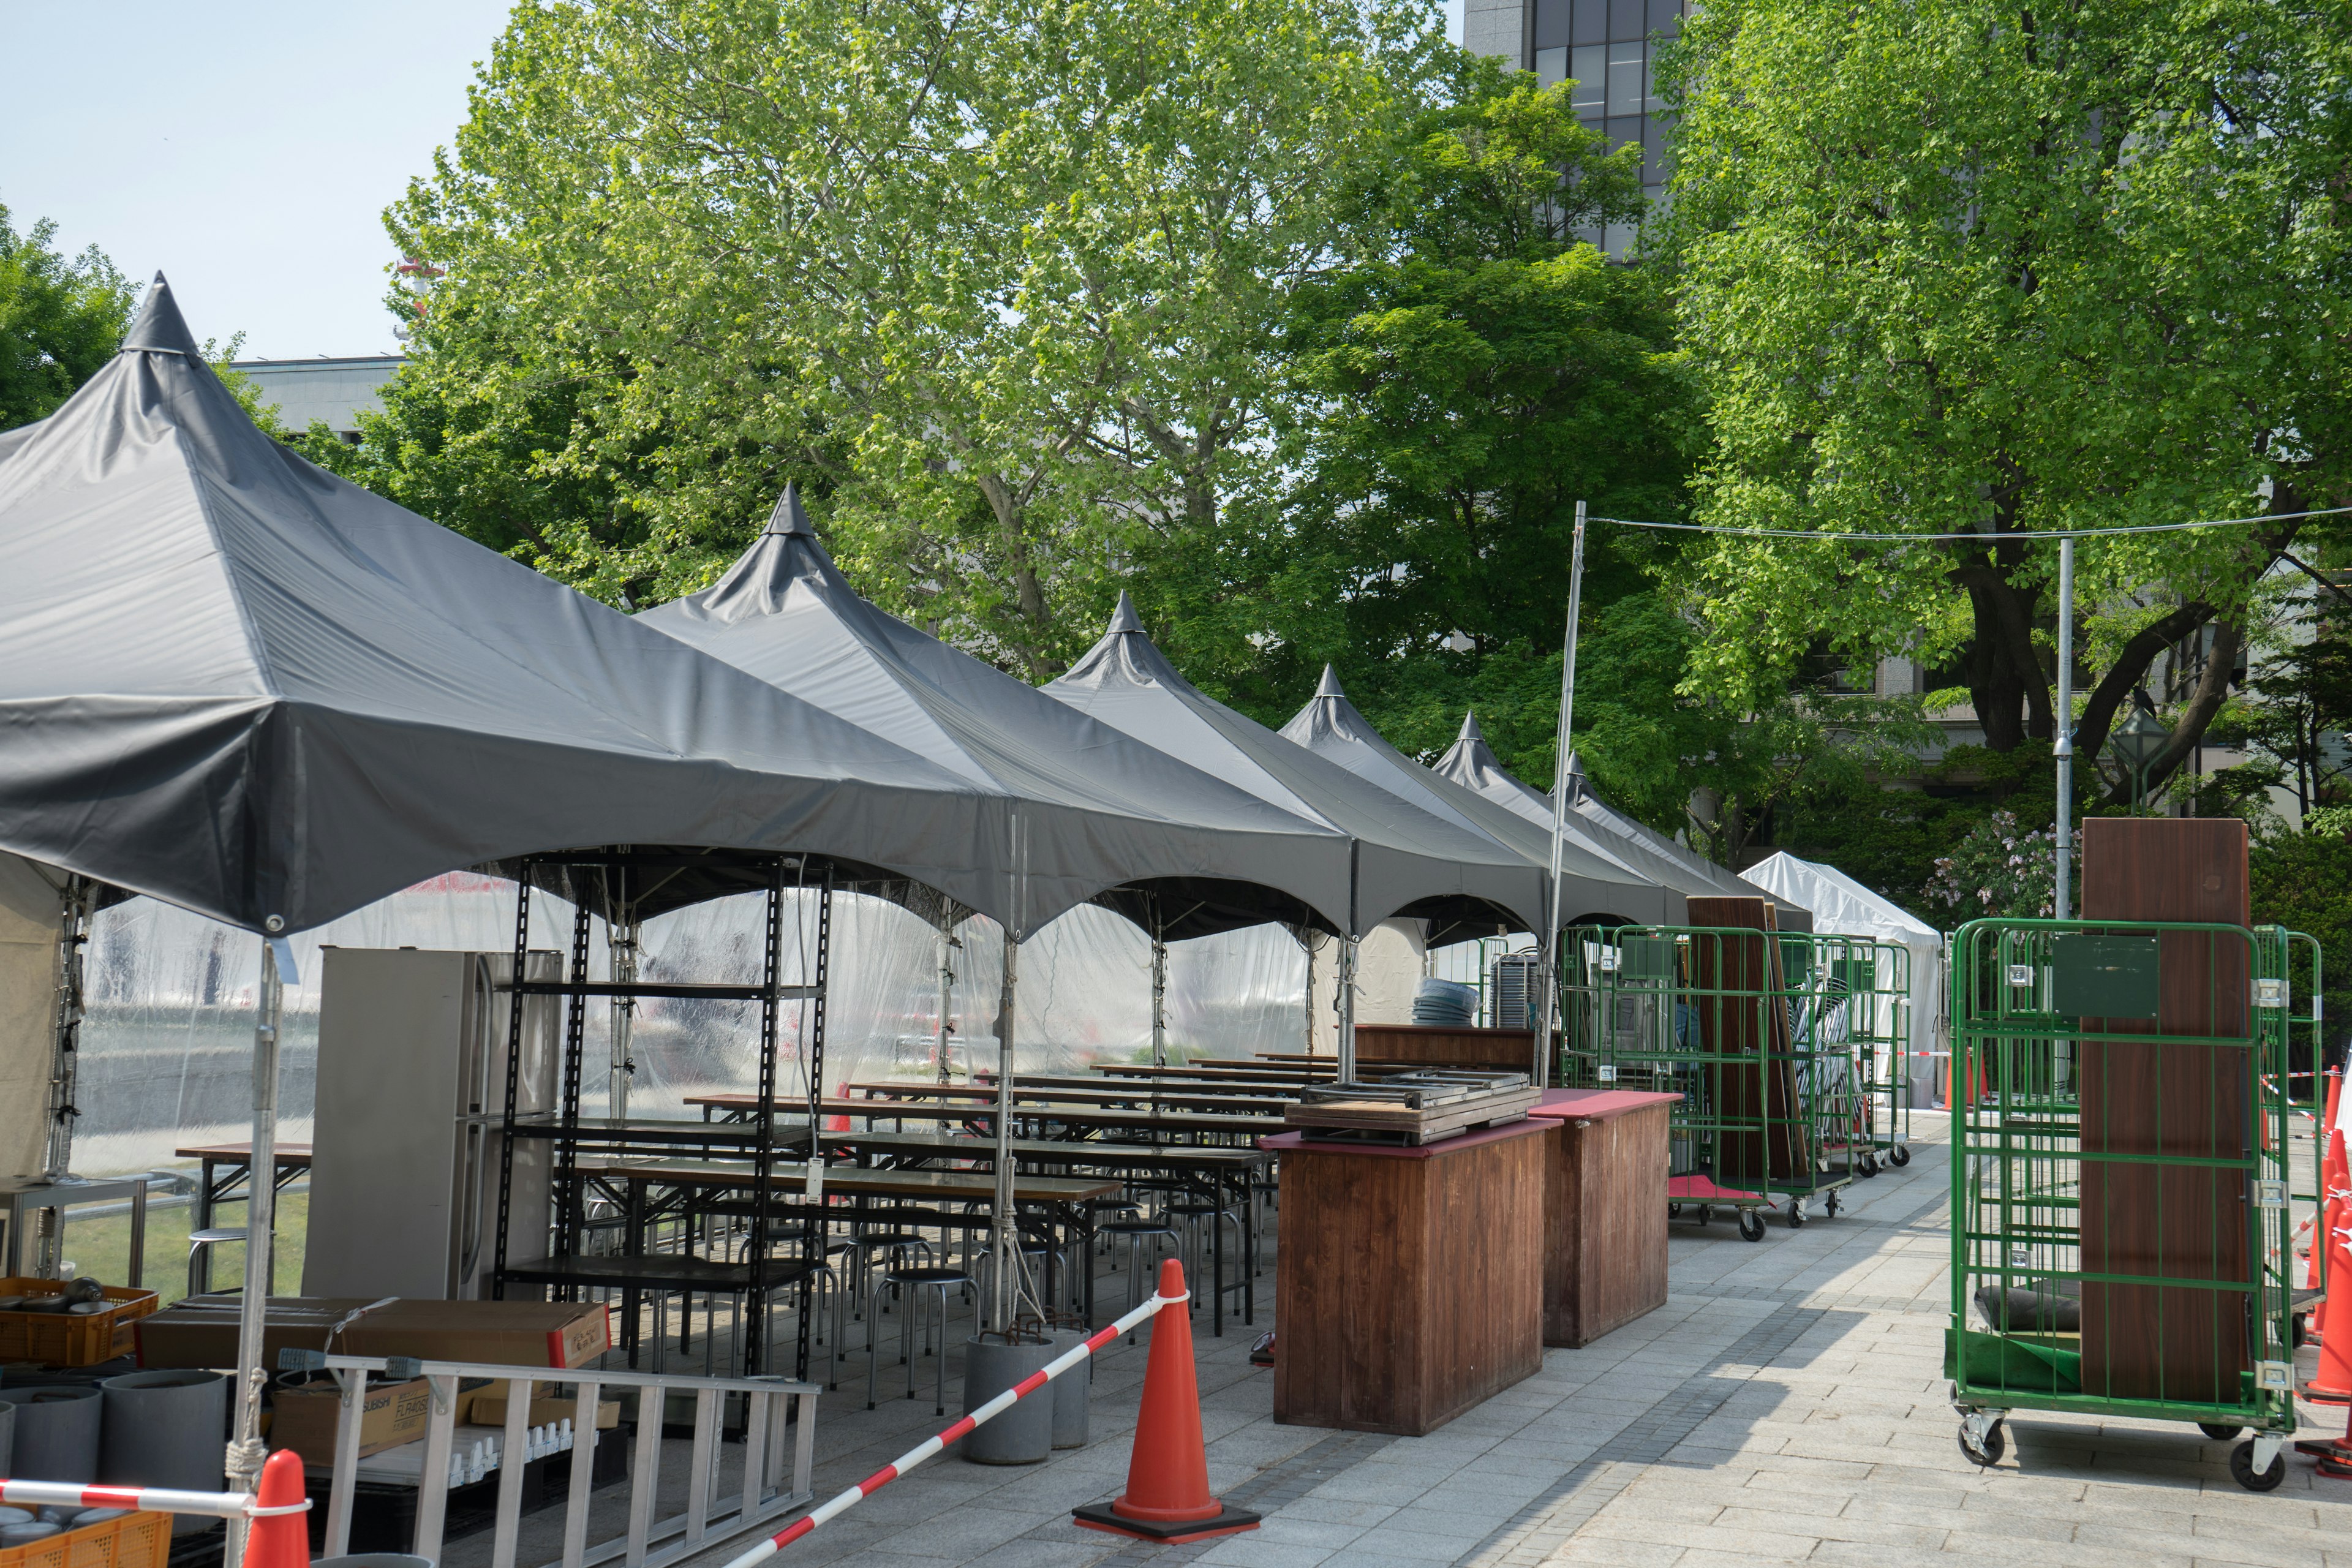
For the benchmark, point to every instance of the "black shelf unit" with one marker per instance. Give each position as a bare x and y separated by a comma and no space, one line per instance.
615,882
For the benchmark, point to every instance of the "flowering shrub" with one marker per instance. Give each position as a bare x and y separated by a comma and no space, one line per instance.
1995,870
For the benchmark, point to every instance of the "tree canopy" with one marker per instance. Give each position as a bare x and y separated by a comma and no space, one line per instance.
1994,272
61,318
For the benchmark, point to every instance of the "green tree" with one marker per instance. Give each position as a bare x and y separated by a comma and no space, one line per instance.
61,318
1456,391
1965,269
1003,279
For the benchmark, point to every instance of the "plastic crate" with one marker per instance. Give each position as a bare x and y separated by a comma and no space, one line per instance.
60,1339
134,1541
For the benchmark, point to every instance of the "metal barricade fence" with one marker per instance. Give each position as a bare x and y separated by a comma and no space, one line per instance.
775,1413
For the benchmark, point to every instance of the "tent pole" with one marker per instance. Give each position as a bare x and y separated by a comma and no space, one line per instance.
1344,1010
1548,982
1306,940
1005,1247
623,939
74,902
942,1051
247,1451
1158,990
2065,746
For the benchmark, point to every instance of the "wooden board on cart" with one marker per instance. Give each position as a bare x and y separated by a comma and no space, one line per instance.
2174,1097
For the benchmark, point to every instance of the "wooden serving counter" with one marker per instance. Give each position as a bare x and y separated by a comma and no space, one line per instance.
1409,1284
1605,1210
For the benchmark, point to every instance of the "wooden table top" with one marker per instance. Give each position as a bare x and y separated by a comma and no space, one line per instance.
855,1180
287,1154
943,1146
1068,1115
1171,1088
1027,1091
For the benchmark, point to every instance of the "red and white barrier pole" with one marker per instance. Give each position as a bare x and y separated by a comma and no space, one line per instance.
931,1446
139,1500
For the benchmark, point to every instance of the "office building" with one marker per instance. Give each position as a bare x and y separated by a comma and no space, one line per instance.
333,391
1610,47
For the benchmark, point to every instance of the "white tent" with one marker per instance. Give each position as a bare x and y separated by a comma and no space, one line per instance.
1843,906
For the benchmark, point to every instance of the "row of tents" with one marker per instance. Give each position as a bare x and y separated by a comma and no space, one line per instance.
234,681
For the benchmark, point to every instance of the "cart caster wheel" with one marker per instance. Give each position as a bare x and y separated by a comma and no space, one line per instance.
2218,1433
1751,1224
1900,1154
1995,1446
1831,1206
1869,1166
1796,1214
1705,1215
2241,1469
1673,1211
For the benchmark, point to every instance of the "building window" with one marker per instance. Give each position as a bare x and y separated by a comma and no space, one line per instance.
1590,66
1628,21
1591,22
1551,67
1626,72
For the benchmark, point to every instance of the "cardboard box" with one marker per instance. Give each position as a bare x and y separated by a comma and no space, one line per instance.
391,1414
201,1331
489,1408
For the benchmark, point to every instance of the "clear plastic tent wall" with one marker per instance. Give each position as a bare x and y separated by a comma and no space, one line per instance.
167,1045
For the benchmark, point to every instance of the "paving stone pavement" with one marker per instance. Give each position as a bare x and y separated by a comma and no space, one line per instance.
1785,1405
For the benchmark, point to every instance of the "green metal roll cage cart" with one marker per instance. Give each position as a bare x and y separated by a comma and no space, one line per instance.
1786,1050
2121,1228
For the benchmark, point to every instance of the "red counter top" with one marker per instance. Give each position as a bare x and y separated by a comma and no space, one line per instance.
1596,1104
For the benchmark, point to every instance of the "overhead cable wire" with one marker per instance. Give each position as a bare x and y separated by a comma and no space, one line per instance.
1978,538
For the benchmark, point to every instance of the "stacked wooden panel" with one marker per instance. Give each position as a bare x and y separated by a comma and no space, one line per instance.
1769,1138
2178,1100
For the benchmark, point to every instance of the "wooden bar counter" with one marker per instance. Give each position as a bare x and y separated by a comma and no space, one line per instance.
1605,1210
1409,1284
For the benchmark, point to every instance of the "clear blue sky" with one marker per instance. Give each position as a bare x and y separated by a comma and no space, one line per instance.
247,149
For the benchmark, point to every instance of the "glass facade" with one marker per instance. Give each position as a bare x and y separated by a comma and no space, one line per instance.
1608,48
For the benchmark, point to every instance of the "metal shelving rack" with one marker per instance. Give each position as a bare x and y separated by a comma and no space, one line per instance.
618,881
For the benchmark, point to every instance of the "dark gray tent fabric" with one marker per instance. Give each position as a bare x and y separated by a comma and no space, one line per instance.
235,682
1408,862
1159,840
1472,763
1330,726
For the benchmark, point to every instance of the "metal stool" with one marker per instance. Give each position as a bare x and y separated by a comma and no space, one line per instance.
886,1246
1196,1249
911,1280
200,1260
1133,1231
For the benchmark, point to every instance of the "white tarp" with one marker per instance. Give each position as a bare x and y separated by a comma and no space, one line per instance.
167,1047
28,1012
1843,906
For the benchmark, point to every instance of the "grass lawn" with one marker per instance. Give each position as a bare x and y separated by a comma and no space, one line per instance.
99,1247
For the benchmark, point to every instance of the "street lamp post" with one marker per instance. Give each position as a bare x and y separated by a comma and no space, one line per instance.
2136,743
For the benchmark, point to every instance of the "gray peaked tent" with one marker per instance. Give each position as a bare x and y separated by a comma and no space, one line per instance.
1591,886
1182,853
231,681
1473,764
234,681
1408,862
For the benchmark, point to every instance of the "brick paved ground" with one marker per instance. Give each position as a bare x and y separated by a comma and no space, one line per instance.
1786,1405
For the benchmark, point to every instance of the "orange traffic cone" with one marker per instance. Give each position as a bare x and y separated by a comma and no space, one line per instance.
1167,1496
2332,1179
2332,1383
280,1540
